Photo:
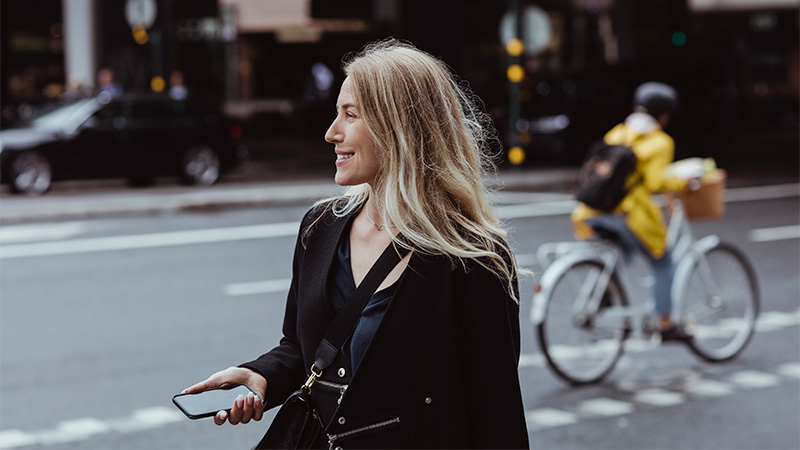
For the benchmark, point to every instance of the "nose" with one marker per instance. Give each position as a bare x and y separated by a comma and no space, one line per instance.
333,135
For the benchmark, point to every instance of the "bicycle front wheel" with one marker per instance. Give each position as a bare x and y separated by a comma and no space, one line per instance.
582,344
720,303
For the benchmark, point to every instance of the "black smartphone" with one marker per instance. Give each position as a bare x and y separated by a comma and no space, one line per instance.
197,405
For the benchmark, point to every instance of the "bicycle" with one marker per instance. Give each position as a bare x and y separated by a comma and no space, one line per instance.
583,315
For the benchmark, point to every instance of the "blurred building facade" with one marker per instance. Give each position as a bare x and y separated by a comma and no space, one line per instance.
735,62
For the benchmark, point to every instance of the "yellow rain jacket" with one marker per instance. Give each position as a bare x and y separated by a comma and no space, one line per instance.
654,151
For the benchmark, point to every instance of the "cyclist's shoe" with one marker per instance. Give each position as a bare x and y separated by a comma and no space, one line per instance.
676,333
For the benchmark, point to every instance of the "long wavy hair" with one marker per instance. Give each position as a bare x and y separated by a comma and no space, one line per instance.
434,143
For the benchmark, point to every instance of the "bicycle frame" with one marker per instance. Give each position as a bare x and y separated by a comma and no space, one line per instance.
558,256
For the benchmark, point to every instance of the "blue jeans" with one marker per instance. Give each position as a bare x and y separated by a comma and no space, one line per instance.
663,269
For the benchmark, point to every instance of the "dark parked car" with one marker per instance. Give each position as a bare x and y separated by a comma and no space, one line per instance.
134,136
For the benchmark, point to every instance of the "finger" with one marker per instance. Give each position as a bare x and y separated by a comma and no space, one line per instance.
258,406
221,378
203,385
210,382
248,409
237,411
220,418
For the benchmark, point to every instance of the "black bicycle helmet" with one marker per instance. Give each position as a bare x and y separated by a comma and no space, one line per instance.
657,98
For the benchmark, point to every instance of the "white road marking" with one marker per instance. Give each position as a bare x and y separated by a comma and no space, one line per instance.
606,407
85,428
41,232
15,438
789,369
564,207
776,320
531,360
775,233
774,192
658,397
708,388
139,241
543,209
550,417
258,287
754,379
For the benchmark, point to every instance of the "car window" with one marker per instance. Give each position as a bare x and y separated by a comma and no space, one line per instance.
57,118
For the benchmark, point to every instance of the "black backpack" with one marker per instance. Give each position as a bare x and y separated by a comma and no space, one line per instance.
602,179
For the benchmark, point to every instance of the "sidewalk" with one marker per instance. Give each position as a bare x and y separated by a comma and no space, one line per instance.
295,181
257,185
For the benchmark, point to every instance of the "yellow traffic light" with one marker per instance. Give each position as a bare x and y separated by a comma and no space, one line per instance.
515,47
516,155
140,35
515,73
157,84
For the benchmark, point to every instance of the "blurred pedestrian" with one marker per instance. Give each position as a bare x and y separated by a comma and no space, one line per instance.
107,85
638,220
177,90
432,361
76,90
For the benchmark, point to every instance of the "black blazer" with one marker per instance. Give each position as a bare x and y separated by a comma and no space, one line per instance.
441,370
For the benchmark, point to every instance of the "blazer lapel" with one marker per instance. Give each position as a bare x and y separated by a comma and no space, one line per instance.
324,241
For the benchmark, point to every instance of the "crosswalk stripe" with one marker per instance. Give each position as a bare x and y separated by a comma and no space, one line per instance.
658,397
754,379
550,417
708,388
606,407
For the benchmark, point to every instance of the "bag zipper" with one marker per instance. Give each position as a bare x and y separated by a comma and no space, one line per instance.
334,437
340,387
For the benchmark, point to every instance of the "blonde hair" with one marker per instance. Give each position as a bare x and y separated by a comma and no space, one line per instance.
433,141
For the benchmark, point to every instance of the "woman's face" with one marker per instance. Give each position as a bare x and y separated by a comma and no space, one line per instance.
356,160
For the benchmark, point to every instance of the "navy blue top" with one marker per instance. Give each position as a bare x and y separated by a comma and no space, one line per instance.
342,286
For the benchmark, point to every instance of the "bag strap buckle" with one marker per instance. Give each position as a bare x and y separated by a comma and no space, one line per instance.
311,379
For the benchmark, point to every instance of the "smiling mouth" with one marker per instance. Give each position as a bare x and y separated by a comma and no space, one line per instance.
342,157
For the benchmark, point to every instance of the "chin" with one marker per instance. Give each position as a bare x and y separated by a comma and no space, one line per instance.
343,180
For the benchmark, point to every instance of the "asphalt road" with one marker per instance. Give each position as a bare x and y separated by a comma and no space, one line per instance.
104,320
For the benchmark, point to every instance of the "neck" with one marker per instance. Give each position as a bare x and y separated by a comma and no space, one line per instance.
374,213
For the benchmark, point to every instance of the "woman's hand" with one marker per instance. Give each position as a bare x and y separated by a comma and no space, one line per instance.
244,409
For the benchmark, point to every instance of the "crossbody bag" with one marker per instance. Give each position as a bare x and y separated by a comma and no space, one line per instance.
298,424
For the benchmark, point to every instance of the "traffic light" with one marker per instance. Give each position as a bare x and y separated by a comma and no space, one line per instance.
515,73
679,38
140,34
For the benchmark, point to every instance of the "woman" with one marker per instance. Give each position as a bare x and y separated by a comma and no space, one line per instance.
436,350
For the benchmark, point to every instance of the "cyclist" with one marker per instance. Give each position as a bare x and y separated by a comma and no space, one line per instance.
638,222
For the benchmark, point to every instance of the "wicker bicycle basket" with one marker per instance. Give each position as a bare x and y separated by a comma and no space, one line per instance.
707,202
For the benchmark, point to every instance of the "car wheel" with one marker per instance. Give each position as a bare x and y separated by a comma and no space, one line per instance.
30,173
200,166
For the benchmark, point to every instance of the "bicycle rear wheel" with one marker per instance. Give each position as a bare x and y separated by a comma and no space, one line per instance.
582,346
720,303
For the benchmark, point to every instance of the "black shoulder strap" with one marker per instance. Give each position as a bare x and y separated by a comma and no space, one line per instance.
348,317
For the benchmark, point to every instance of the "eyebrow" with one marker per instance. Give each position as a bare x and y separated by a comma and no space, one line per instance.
347,105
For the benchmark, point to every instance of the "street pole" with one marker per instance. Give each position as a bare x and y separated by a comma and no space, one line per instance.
515,48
